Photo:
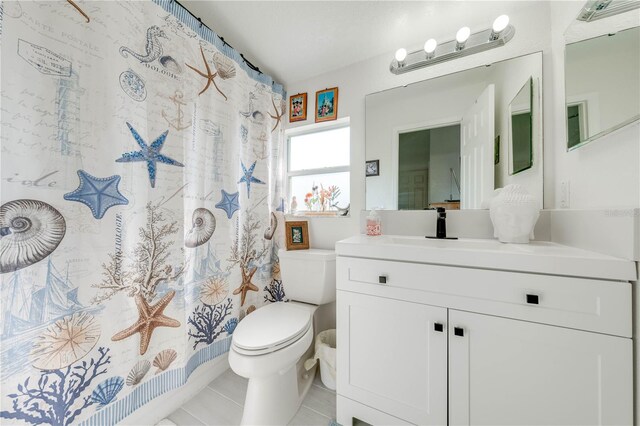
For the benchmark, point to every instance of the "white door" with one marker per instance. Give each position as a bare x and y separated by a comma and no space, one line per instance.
476,151
510,372
413,189
393,357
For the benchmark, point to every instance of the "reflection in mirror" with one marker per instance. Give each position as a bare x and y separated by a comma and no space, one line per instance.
435,139
602,82
429,166
521,130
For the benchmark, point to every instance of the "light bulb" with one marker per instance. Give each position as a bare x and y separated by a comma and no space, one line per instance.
463,34
401,54
430,46
461,37
500,23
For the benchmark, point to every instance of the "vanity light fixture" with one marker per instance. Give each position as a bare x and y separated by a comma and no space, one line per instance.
465,44
598,9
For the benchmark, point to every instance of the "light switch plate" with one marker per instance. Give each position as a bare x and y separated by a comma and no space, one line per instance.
565,194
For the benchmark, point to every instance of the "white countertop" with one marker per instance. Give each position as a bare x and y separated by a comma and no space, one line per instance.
537,257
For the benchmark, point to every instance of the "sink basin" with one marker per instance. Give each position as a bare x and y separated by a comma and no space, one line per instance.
537,257
467,244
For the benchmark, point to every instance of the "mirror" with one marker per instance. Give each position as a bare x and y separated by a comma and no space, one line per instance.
520,110
602,79
435,140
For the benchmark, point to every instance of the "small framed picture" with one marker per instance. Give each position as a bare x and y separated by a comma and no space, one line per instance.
297,235
327,105
373,168
298,107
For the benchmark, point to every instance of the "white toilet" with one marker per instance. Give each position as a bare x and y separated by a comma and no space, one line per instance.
268,345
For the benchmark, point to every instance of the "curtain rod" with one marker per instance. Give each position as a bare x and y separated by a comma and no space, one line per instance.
246,61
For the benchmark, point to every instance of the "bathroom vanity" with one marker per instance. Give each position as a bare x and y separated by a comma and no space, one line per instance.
479,332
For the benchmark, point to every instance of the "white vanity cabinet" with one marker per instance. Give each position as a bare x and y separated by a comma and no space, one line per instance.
512,372
420,343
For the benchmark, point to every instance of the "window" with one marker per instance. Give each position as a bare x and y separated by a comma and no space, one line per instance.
318,173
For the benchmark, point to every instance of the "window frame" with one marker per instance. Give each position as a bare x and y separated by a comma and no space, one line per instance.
309,129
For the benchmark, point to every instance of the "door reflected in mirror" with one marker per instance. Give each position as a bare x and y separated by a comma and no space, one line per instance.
602,80
521,152
429,166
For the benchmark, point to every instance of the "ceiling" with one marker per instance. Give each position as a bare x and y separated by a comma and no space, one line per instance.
296,40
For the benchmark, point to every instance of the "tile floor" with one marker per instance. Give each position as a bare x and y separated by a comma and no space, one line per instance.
221,402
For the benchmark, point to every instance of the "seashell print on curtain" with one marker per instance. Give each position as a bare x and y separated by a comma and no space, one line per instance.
140,206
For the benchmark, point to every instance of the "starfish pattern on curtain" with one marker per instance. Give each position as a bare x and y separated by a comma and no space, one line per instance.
136,264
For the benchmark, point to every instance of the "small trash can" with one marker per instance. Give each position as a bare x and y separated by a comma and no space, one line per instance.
326,354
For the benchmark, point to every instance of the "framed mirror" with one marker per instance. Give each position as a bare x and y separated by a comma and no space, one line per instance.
602,78
435,140
521,130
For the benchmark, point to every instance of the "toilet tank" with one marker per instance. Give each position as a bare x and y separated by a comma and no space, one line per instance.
309,275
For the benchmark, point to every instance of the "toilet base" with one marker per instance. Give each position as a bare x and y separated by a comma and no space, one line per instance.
275,399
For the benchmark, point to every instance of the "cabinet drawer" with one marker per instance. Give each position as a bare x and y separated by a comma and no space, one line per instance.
585,304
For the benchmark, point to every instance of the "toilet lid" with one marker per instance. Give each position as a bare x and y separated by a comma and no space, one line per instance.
272,327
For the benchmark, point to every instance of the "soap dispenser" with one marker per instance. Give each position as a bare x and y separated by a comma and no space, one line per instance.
374,224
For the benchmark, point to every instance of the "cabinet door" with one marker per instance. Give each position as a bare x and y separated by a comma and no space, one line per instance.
390,356
510,372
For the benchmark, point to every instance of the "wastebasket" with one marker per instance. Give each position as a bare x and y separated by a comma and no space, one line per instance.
326,354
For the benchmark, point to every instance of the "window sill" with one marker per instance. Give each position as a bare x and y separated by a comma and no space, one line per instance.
317,214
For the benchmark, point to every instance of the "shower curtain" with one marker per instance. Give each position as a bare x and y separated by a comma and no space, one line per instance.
141,209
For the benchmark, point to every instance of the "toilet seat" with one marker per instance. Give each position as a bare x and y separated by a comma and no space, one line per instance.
271,328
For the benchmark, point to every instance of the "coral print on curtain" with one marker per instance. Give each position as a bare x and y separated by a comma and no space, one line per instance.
140,211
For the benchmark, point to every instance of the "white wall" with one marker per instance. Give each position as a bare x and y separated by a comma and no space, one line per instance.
533,34
602,174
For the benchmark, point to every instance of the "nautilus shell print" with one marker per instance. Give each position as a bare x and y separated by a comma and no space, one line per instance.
30,230
65,341
164,359
273,225
203,223
225,66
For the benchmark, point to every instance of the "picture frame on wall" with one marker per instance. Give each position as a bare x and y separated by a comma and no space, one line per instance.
297,235
297,107
327,105
372,168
